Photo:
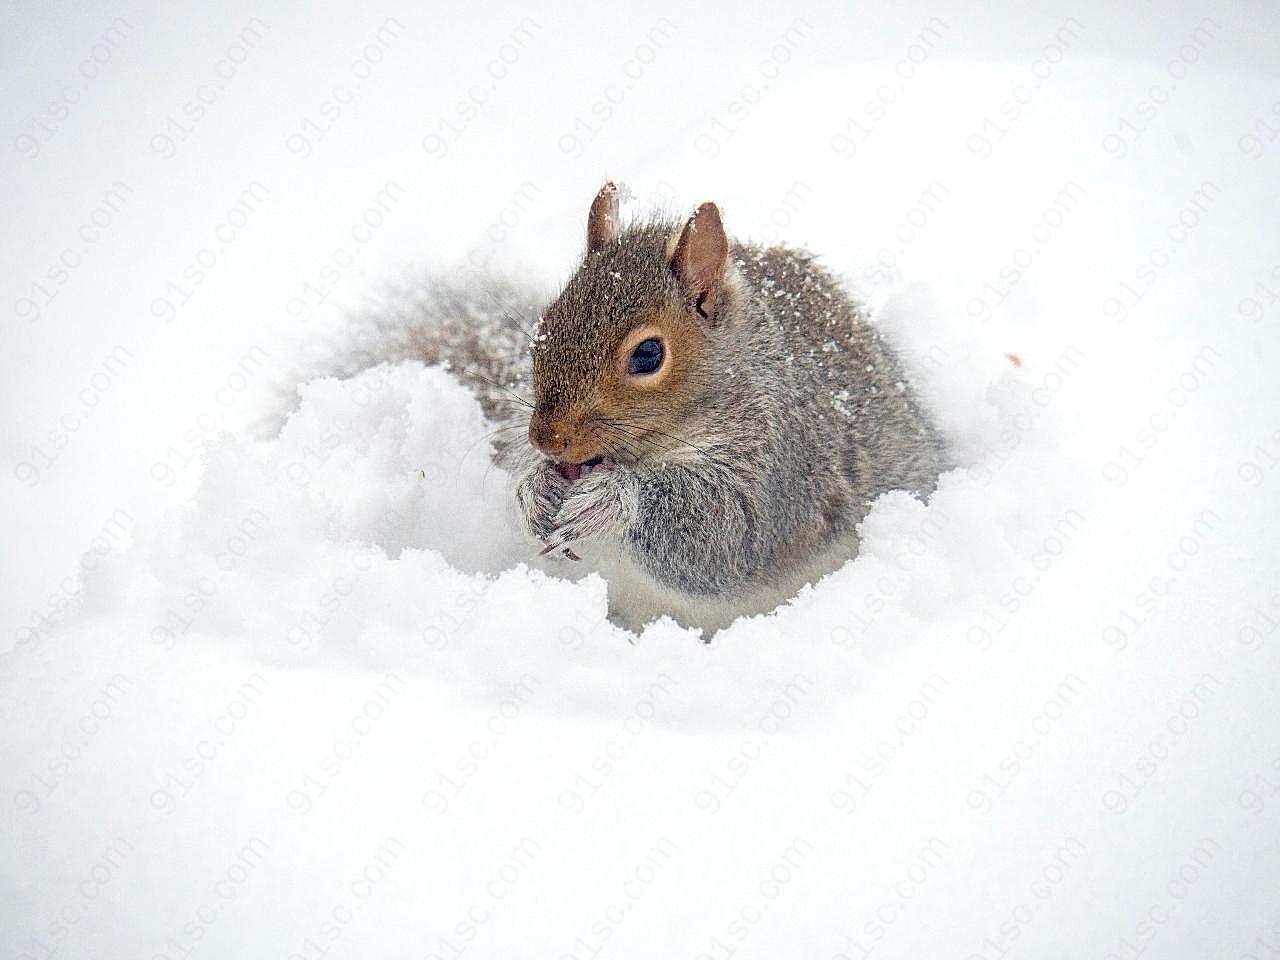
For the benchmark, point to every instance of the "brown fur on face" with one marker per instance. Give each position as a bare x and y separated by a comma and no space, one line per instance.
654,279
613,414
743,468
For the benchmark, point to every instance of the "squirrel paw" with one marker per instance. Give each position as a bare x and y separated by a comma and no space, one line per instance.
596,507
540,494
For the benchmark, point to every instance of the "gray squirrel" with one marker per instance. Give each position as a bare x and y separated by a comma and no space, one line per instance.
707,421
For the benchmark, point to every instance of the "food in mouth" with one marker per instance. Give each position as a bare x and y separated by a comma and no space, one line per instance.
573,471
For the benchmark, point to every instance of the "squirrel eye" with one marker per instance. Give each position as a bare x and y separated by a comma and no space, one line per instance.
646,357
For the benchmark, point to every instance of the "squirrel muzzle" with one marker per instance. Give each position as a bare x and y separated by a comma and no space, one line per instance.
557,441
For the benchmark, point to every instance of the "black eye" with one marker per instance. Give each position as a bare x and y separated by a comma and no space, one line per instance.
646,357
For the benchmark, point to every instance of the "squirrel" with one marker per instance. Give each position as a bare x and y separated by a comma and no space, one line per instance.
709,420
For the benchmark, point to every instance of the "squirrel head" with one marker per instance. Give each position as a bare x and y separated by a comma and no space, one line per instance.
618,360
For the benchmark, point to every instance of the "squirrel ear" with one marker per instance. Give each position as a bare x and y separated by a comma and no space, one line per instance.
602,221
699,260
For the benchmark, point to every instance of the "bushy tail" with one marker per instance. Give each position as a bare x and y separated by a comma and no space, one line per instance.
480,332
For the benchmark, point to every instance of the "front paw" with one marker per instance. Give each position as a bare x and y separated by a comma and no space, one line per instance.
539,495
598,507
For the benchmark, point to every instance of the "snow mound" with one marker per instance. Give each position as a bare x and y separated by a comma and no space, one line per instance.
495,744
329,709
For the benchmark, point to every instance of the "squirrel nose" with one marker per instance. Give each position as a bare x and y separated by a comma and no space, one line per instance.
548,440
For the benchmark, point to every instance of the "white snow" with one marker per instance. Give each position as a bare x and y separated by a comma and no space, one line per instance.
277,679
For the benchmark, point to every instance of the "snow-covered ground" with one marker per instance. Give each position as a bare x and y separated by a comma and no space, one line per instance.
287,688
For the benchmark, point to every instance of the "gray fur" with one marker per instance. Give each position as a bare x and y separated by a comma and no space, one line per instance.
799,418
480,334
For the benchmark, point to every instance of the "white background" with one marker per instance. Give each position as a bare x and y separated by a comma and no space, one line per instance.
1036,718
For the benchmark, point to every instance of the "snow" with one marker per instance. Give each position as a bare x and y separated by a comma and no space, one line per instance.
278,678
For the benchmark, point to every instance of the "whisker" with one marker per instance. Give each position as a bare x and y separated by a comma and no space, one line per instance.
508,312
614,441
669,436
510,316
519,399
638,438
625,442
621,432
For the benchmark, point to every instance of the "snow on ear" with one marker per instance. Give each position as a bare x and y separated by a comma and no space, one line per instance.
602,221
699,260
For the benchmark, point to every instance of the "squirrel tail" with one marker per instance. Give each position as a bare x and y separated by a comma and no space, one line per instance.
479,332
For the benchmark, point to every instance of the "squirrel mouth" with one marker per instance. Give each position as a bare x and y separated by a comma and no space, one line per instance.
573,471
